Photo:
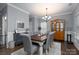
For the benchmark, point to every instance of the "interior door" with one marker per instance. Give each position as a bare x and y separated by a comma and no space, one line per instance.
58,26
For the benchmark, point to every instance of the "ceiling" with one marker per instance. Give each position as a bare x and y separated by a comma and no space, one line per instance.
38,9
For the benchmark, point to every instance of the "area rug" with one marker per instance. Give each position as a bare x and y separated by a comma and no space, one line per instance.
55,50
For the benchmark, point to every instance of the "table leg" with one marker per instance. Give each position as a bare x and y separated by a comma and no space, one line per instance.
41,49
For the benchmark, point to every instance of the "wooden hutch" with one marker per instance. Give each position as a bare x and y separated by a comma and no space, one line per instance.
57,25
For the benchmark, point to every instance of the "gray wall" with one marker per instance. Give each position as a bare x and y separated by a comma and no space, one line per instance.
68,18
76,22
31,24
0,29
76,19
34,24
76,27
3,23
14,15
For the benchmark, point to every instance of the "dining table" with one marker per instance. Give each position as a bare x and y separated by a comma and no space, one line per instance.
39,39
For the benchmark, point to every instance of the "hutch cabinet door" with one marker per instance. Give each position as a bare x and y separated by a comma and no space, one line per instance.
58,26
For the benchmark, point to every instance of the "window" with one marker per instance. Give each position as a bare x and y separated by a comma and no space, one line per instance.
43,27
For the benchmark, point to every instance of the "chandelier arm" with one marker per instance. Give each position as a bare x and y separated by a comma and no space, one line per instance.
46,11
46,17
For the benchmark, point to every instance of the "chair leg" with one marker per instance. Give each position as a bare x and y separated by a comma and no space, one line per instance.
46,52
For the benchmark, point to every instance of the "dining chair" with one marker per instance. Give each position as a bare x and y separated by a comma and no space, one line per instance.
49,42
29,48
51,38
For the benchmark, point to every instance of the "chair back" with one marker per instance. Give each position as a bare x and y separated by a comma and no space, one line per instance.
27,43
49,39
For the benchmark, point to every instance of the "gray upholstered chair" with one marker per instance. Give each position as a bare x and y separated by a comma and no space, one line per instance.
29,48
51,38
49,42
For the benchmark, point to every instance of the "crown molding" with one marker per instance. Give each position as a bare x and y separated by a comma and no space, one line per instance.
18,8
64,13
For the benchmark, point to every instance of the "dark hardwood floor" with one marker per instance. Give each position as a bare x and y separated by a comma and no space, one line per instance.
8,51
66,49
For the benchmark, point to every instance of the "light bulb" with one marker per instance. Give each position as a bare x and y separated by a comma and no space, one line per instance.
42,17
45,16
50,17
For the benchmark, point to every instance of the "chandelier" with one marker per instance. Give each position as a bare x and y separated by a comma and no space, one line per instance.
46,17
